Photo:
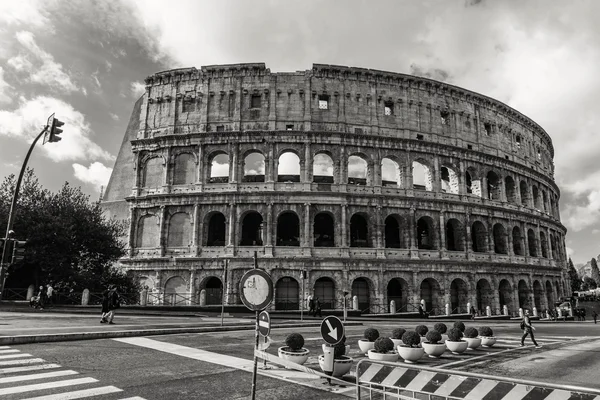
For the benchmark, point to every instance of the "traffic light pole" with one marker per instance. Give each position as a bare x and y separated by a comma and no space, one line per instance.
13,211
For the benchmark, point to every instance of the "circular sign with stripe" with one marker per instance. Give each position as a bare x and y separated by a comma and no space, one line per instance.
256,289
264,323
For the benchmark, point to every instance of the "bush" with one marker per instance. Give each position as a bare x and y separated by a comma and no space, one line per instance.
459,325
486,331
294,341
471,332
421,330
371,334
411,339
433,336
455,335
383,345
440,327
397,333
339,350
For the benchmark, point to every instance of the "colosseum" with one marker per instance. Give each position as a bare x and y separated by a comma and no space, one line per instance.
383,185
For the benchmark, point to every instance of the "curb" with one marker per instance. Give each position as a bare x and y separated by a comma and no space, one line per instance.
66,337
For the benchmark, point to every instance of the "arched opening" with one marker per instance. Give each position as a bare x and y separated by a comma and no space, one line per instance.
214,291
392,233
479,237
449,180
430,292
523,295
459,296
254,167
147,232
511,190
532,242
359,231
390,173
360,289
324,230
216,230
357,171
536,198
180,230
252,230
493,186
485,295
550,297
322,168
422,179
288,230
288,168
538,295
175,292
219,169
525,198
500,246
152,175
397,290
557,290
184,169
468,182
455,238
473,182
287,294
325,290
544,244
517,240
425,234
505,295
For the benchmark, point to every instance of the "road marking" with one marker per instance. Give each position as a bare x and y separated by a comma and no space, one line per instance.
9,351
48,385
28,368
20,355
80,394
16,362
471,359
33,377
134,398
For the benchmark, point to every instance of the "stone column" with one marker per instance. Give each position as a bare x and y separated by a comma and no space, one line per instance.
525,240
509,239
378,227
192,287
484,188
344,228
443,244
269,230
490,234
468,241
549,245
496,295
233,163
308,163
307,233
462,184
412,229
416,294
231,224
436,184
196,231
199,165
162,230
343,179
132,229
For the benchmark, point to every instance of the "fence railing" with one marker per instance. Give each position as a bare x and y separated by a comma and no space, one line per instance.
14,294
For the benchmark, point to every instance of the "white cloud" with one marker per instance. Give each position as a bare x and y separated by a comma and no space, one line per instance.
4,88
26,121
137,89
96,174
23,12
43,69
114,116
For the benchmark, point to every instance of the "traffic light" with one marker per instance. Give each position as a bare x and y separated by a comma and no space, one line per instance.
18,250
55,130
9,250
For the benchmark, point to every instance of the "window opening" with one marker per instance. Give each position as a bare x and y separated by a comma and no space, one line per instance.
518,141
488,128
220,128
323,102
289,127
419,137
358,131
444,115
255,101
388,108
469,147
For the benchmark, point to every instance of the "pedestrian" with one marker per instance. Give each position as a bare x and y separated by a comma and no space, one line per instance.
317,307
473,312
595,316
49,293
583,313
104,306
421,311
311,305
528,330
114,302
41,297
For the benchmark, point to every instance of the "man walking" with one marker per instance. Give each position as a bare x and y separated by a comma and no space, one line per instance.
49,293
595,316
317,307
114,302
528,330
311,305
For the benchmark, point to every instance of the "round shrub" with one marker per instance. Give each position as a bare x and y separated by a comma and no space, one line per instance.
397,333
440,327
421,330
411,339
371,334
455,335
471,332
383,345
459,325
339,350
486,331
433,336
294,341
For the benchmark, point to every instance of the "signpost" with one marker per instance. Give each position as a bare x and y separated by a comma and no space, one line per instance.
332,331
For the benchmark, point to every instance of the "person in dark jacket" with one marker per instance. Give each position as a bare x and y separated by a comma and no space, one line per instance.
114,302
317,307
104,306
528,330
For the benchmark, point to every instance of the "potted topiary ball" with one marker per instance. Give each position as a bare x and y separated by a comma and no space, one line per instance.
455,343
293,350
410,349
383,350
341,363
422,331
487,336
434,346
397,336
368,343
441,328
471,338
459,325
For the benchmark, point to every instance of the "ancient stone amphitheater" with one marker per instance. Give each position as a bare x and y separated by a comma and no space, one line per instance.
383,185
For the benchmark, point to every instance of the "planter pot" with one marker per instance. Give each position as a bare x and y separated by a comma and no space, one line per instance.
397,342
488,341
410,354
391,357
365,346
457,347
340,367
324,346
298,357
473,343
434,350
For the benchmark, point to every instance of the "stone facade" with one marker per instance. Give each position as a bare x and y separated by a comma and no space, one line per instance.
316,171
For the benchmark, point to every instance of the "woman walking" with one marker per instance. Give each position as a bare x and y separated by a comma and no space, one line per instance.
528,330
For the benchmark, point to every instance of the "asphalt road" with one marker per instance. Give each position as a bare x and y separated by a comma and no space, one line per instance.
219,365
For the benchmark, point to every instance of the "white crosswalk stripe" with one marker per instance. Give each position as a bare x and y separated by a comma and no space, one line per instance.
48,385
17,355
9,351
80,394
28,368
32,377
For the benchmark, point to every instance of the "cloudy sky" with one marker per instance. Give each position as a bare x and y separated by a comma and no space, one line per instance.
86,61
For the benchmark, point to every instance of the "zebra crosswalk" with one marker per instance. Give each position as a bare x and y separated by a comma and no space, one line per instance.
25,377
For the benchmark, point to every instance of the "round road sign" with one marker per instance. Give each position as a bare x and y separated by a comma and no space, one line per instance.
264,323
256,289
332,330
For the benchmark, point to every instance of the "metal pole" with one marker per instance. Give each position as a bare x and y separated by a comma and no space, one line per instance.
13,211
224,291
255,343
303,299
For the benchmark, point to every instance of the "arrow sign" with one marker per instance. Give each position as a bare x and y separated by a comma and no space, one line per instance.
332,330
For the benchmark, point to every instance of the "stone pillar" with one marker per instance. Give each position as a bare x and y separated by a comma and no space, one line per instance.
377,173
307,233
412,229
436,184
462,182
408,175
443,244
270,173
525,240
30,292
509,239
415,295
192,287
468,241
344,228
549,245
231,224
162,230
484,188
199,165
378,227
343,179
85,297
132,229
233,163
308,163
490,234
269,229
196,230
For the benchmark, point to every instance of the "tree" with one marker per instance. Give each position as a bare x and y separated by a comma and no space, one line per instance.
70,242
573,276
595,272
588,283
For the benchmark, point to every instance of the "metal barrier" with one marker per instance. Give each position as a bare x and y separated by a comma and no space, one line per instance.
14,294
427,383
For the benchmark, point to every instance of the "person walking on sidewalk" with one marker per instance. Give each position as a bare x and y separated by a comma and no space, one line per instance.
317,307
49,293
311,305
595,316
104,306
528,330
114,302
